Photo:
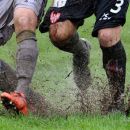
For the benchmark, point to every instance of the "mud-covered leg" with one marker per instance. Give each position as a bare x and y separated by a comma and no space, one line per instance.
64,36
80,48
114,63
82,75
81,70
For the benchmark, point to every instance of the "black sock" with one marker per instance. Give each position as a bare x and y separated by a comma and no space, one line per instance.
81,52
114,62
74,45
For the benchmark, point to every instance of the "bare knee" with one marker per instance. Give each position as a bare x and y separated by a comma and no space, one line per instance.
24,19
61,32
109,36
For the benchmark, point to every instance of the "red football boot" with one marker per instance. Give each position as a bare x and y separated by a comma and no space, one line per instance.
15,101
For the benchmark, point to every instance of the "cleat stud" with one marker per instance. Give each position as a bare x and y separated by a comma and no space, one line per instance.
10,102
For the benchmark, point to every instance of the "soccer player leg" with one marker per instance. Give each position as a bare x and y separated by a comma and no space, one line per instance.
25,24
64,36
108,30
27,51
114,62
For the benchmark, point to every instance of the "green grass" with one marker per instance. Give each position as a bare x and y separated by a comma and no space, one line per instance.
79,122
49,79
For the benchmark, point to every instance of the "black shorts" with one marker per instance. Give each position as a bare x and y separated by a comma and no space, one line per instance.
74,10
109,13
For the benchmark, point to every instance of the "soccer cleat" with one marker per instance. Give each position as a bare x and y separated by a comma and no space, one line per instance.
15,101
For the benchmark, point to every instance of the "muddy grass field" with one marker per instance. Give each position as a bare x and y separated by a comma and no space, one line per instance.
53,79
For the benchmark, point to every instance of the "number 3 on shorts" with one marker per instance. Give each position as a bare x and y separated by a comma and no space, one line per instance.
118,6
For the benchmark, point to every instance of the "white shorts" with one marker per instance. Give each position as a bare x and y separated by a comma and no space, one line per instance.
35,5
6,14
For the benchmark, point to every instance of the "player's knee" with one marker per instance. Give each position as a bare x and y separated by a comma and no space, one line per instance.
24,19
61,32
109,36
105,37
